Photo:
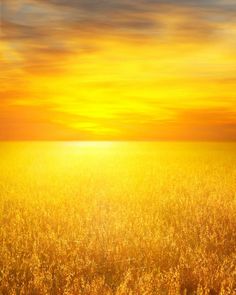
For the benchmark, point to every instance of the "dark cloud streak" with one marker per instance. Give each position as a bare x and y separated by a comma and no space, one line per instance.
37,28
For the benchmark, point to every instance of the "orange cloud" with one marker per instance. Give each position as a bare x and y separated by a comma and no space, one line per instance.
118,70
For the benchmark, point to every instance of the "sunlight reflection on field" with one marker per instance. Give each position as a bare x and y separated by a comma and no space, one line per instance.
93,216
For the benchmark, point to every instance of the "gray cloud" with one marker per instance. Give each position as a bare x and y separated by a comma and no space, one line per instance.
122,14
39,28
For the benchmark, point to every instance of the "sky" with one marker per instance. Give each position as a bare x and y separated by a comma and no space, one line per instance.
118,70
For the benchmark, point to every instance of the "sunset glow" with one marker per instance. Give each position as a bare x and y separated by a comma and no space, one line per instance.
118,70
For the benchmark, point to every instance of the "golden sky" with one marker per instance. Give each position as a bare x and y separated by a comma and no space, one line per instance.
118,69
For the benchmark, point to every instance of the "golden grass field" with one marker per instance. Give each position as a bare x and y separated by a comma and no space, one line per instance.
117,218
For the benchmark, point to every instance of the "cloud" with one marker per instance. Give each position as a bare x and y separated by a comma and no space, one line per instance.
42,20
189,124
42,32
207,116
207,123
148,69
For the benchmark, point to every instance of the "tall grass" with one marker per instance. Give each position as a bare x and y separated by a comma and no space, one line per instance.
123,219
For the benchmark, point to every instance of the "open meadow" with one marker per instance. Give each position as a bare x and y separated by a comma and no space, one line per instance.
117,218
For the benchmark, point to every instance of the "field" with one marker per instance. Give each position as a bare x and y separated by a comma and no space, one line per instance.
117,218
